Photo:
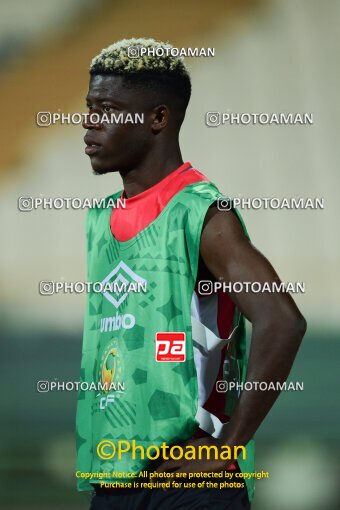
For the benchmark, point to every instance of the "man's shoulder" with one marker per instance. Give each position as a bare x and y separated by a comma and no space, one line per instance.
201,190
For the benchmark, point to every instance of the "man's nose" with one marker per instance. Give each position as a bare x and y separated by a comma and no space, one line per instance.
92,121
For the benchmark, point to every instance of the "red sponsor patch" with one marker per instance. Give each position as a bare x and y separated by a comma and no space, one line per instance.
170,346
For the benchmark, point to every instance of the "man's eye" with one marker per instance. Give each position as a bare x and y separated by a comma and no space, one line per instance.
106,108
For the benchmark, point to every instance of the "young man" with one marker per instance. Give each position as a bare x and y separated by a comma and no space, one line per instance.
170,237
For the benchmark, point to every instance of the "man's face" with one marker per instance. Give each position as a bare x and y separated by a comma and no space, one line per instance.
119,146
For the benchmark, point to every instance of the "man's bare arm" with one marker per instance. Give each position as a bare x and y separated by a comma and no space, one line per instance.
277,325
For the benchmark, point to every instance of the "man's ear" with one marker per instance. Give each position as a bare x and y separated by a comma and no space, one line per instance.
160,118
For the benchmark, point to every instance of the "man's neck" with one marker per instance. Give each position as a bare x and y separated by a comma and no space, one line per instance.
150,172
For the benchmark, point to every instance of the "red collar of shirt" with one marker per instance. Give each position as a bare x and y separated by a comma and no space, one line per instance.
143,209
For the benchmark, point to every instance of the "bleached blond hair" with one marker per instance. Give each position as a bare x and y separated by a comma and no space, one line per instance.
116,58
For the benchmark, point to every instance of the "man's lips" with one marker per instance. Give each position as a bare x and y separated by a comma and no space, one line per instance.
91,146
92,149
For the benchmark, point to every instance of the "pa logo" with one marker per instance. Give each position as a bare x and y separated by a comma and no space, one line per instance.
170,346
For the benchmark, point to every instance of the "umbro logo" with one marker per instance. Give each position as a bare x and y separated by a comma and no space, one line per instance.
120,282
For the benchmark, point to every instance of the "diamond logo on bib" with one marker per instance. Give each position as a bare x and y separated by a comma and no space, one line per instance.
120,282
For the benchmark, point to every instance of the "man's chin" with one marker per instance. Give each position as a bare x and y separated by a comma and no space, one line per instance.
101,170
